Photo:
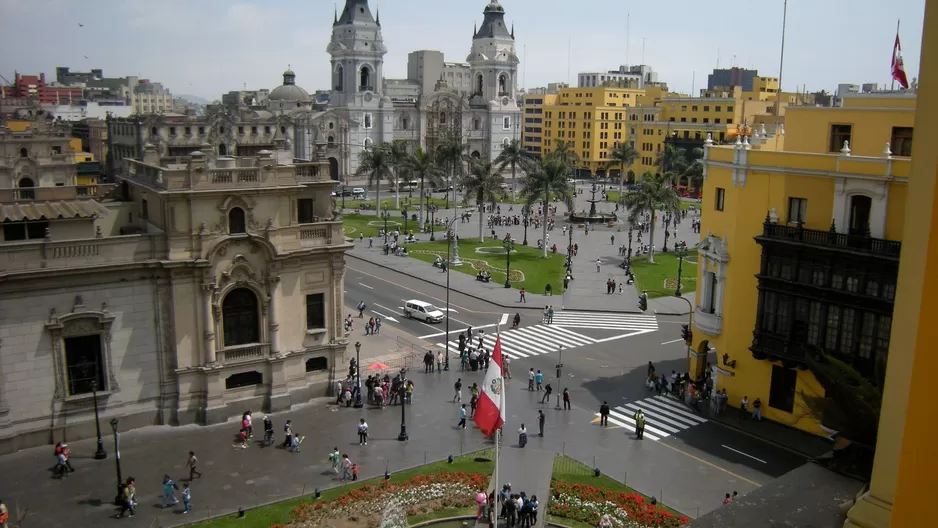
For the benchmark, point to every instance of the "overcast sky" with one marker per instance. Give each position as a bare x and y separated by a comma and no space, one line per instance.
208,47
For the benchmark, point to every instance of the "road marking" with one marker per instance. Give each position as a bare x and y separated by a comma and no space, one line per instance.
745,454
365,286
672,341
415,291
639,332
711,464
456,332
385,317
597,420
386,308
504,319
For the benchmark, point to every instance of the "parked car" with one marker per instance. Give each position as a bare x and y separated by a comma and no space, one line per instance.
423,311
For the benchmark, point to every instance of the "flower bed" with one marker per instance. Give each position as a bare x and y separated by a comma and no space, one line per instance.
421,494
588,504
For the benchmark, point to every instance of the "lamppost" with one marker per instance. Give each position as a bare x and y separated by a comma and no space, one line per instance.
358,375
524,215
681,251
559,366
403,436
433,209
509,245
100,454
570,248
449,239
386,215
117,459
628,257
404,214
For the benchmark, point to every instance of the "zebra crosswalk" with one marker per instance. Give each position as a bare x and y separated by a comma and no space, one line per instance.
664,416
530,341
606,321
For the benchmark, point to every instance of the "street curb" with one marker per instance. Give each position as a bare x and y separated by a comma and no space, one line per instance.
671,314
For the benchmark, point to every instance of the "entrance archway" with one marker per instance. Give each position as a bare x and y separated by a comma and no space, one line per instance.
334,169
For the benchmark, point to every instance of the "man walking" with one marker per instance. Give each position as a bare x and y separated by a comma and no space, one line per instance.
566,399
346,468
335,457
547,390
458,387
192,462
604,414
540,422
169,488
599,264
362,432
462,416
439,362
522,292
639,425
531,379
538,380
550,314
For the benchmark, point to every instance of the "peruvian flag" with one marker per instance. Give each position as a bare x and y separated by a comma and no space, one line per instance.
490,411
898,68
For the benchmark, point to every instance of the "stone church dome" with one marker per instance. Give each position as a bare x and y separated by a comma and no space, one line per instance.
289,91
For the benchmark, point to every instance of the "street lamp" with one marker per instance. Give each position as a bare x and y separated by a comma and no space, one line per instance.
448,243
100,454
433,209
117,459
358,375
404,214
403,436
559,366
628,257
570,248
681,251
525,216
509,247
386,215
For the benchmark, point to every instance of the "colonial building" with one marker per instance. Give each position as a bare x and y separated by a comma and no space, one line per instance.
197,287
361,112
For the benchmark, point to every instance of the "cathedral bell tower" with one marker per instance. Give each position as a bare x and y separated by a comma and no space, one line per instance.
357,50
493,60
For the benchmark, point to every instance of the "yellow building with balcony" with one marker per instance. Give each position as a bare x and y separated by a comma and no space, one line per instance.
532,135
801,252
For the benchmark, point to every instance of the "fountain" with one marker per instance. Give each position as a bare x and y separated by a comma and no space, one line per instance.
593,216
393,516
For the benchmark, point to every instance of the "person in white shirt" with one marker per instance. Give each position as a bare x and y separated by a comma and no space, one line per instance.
363,432
522,436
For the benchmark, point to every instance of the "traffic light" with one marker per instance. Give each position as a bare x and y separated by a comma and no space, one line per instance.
686,333
643,302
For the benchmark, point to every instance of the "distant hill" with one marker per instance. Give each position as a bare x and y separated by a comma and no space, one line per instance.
194,99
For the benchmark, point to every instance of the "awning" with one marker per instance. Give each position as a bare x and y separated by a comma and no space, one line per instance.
62,209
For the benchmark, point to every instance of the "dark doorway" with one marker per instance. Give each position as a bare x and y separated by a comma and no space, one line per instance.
334,169
84,363
860,214
782,391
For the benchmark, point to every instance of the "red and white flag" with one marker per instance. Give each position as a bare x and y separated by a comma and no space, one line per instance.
898,67
490,411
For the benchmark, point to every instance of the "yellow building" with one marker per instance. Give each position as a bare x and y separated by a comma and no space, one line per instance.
801,252
533,133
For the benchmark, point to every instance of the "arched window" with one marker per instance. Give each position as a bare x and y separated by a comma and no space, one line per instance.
222,149
236,221
240,318
27,183
331,140
24,152
339,78
365,79
442,118
368,143
479,84
506,142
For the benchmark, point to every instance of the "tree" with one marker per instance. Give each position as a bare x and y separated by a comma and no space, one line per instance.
513,155
624,156
399,162
565,153
451,154
482,183
672,160
694,171
375,164
549,177
654,192
424,166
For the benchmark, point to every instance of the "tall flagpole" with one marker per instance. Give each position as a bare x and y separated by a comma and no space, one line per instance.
893,86
781,65
501,405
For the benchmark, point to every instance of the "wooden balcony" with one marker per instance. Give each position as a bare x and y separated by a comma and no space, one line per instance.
830,239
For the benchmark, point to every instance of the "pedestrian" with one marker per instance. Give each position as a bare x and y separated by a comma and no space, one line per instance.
192,463
428,362
127,499
361,309
335,458
522,436
457,398
522,299
612,240
473,402
462,416
547,392
295,443
186,498
362,432
604,414
439,362
744,407
639,425
4,514
243,438
506,362
757,410
346,467
61,466
531,379
287,433
539,380
599,264
540,422
566,399
550,314
727,499
169,491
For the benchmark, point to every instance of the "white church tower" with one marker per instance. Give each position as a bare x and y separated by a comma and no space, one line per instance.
357,50
494,69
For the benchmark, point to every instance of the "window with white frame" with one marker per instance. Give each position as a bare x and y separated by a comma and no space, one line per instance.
797,210
367,121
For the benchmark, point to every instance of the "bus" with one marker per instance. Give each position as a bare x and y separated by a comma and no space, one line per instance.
406,186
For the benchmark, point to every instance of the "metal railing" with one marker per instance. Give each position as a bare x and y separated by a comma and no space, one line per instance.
830,238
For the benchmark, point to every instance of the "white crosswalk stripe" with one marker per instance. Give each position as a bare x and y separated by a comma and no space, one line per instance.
530,341
664,416
606,321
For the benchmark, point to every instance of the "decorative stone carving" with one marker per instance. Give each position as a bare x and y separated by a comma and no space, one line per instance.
203,229
79,303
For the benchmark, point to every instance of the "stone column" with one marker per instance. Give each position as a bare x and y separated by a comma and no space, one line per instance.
4,407
273,324
338,272
208,321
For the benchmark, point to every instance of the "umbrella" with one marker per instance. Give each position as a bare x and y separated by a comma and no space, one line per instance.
378,366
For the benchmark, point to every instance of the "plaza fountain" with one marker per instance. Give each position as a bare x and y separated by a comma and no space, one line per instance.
593,216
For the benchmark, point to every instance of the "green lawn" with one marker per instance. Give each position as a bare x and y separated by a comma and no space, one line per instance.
528,269
278,513
369,225
662,275
387,202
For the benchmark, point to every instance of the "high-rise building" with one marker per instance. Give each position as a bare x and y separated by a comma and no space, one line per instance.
636,76
35,87
726,79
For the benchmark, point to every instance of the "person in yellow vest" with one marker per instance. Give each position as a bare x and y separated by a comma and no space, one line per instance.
639,424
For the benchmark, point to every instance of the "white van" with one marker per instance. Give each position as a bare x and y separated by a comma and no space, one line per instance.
423,311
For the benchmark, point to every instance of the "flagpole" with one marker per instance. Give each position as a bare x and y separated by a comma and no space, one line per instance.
893,86
501,405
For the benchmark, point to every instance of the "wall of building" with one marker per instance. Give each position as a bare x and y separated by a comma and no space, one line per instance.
808,129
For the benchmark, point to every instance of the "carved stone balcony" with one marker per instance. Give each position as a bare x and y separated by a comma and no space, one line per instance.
707,322
241,353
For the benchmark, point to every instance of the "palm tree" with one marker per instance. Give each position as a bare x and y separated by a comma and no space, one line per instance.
565,153
623,155
549,177
654,192
513,155
424,166
375,163
672,160
451,153
399,162
482,183
694,171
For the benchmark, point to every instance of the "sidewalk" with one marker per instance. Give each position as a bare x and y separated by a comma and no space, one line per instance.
528,470
774,433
